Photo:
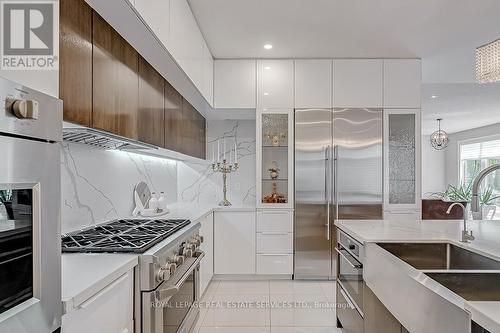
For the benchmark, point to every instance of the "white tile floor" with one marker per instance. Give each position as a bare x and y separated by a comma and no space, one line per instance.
268,307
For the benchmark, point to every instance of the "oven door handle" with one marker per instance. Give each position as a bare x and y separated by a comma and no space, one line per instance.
172,290
353,264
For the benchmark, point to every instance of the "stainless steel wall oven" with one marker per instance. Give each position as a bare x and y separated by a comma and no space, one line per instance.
30,254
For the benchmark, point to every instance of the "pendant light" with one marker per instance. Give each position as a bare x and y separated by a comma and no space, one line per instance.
488,62
439,139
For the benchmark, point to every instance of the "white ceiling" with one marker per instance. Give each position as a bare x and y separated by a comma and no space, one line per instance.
462,106
444,33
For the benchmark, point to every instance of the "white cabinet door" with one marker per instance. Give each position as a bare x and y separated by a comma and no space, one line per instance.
156,13
234,243
313,83
402,161
186,41
207,264
235,84
110,310
275,84
357,83
402,83
208,75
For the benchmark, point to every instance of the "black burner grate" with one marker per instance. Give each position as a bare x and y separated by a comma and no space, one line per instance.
131,235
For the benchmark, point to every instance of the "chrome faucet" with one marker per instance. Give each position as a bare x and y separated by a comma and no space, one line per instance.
466,235
477,213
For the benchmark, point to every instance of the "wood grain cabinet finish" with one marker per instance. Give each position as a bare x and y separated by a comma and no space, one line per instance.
193,131
151,112
173,118
377,317
75,51
115,81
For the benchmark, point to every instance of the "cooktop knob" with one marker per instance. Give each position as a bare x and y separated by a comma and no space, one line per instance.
161,275
187,252
178,259
170,268
195,241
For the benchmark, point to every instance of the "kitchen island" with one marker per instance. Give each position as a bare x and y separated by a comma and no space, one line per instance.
403,289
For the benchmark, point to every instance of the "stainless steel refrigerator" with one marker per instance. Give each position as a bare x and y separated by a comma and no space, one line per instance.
338,175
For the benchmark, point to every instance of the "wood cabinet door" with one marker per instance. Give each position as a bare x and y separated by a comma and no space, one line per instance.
151,116
193,131
173,118
75,68
115,81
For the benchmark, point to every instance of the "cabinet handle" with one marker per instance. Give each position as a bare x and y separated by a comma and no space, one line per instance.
349,261
274,254
275,233
103,292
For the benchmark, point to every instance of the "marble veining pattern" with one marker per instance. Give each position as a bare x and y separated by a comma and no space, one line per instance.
197,183
97,185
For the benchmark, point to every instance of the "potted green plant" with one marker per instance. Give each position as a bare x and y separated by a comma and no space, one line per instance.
6,201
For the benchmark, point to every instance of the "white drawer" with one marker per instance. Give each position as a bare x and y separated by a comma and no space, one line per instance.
275,220
274,264
274,242
110,310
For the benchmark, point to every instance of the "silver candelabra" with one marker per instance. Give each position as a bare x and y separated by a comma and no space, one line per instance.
224,168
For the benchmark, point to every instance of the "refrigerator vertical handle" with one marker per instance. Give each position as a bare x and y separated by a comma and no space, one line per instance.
327,190
335,180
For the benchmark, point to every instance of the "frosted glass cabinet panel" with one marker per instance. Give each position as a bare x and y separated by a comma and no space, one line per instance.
274,158
402,167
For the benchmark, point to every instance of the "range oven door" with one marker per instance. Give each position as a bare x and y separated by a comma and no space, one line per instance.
30,251
350,276
173,306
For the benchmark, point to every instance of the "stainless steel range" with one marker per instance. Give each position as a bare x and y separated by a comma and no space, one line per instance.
167,280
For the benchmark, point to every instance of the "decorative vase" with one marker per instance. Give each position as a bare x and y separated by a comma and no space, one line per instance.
9,210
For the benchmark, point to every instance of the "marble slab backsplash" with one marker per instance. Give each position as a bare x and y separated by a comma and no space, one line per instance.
197,183
97,185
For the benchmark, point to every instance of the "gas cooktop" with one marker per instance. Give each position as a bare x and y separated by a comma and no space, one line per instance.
131,235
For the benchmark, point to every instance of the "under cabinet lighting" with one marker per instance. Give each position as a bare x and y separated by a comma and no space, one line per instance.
268,46
266,94
267,67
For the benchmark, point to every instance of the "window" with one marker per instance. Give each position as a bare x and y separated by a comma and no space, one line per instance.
475,157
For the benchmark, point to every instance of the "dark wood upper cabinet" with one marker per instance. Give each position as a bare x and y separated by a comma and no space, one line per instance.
151,117
115,81
173,118
193,131
75,51
105,84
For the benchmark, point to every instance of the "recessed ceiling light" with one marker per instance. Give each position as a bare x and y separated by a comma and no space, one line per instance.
434,96
267,67
266,94
268,46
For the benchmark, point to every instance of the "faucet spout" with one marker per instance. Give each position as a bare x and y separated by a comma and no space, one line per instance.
475,206
466,235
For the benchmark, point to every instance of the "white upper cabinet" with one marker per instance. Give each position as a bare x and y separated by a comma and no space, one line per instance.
357,83
207,89
275,84
402,83
235,84
186,41
313,83
156,13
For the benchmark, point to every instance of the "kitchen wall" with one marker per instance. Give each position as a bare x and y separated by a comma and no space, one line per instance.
197,183
433,168
97,185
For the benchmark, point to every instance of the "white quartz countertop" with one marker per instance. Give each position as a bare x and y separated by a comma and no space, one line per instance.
85,274
487,242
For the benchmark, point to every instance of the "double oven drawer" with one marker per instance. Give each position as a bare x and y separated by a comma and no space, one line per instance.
350,254
347,314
